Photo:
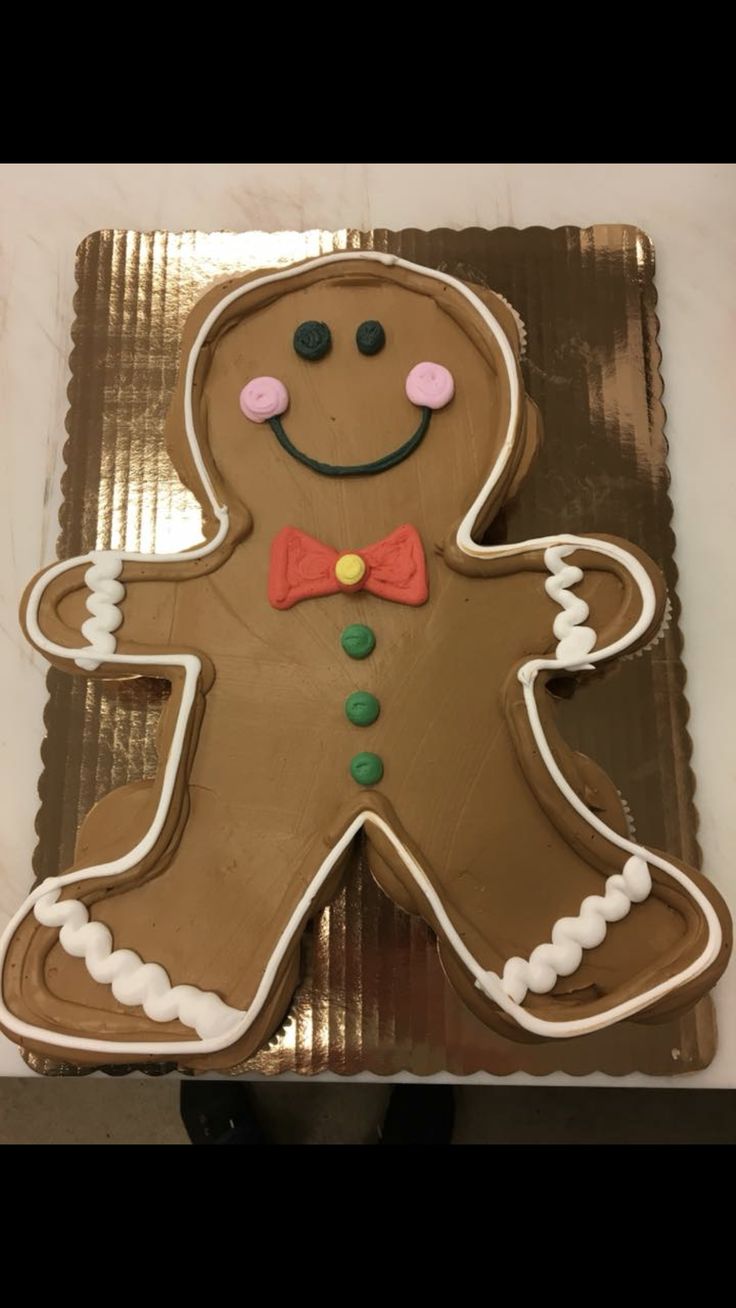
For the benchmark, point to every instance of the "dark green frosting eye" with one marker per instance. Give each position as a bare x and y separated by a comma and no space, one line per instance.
370,337
312,340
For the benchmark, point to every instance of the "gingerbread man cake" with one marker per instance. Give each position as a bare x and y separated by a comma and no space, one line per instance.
349,662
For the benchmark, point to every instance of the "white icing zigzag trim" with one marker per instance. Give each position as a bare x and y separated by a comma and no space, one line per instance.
106,594
132,981
575,641
571,935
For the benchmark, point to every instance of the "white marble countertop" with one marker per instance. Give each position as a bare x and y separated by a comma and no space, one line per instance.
689,210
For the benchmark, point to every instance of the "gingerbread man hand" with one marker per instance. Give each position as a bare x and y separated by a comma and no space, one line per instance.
352,664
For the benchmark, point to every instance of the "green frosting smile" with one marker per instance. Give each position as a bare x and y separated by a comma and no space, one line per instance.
353,469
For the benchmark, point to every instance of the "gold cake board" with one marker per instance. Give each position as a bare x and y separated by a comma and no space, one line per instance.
373,996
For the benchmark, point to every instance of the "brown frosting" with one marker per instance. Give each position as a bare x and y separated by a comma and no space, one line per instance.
265,789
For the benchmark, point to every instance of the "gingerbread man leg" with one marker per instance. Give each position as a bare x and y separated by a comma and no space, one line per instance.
244,954
104,963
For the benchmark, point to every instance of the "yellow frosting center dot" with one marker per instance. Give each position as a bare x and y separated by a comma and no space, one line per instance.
349,569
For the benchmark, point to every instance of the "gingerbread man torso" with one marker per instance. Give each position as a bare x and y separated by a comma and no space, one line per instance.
460,813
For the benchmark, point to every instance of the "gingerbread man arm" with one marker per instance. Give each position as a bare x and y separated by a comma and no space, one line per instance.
624,592
605,599
105,598
71,611
604,596
87,612
598,598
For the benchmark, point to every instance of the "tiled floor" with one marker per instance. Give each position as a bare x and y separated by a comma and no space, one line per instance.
105,1111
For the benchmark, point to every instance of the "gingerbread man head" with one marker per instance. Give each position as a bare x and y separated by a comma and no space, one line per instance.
400,398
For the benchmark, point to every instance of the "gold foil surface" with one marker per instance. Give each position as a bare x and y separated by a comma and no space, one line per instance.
373,996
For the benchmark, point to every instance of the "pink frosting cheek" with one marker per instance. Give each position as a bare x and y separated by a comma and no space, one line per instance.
430,385
264,398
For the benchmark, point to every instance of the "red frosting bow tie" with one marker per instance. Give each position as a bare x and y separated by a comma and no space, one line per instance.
303,568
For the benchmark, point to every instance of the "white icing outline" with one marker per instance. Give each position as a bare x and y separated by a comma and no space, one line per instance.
489,982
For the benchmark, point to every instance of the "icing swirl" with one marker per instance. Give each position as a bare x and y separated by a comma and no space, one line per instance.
370,337
264,398
132,981
575,641
430,385
571,935
106,594
312,340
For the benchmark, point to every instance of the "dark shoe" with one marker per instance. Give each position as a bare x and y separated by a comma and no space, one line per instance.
220,1112
419,1115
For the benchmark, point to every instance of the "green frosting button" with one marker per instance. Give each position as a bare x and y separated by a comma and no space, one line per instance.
366,769
362,708
358,641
